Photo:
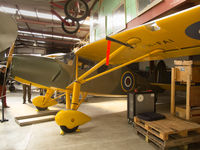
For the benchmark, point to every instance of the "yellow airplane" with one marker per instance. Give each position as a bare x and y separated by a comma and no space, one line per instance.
172,36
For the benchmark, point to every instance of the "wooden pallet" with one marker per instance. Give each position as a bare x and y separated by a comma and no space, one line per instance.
169,132
36,118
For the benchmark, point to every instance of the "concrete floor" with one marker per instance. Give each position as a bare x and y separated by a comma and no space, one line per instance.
108,129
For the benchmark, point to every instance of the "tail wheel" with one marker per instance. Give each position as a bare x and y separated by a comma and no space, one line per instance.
67,130
72,28
41,109
76,9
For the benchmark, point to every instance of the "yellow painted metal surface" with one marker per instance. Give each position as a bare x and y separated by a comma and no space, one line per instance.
83,97
76,67
68,100
10,55
71,118
122,65
62,132
167,34
40,101
48,94
75,96
101,63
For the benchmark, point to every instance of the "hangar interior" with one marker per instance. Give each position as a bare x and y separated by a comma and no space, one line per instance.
96,74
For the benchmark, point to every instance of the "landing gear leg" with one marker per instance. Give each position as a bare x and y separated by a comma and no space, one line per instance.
68,100
75,96
43,102
69,120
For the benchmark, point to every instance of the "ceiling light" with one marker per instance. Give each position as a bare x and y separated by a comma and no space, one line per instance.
28,40
41,42
48,35
8,10
27,13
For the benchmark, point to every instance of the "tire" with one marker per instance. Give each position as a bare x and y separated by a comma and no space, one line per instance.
64,27
70,3
11,88
67,130
41,109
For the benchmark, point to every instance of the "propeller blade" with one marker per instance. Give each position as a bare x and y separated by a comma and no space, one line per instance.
8,31
10,55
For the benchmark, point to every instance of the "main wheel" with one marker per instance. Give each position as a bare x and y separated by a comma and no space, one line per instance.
41,109
67,130
72,28
11,88
76,9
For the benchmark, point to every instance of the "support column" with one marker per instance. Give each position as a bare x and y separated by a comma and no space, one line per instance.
75,95
173,74
188,97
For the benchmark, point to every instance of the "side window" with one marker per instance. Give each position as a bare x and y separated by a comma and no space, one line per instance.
144,5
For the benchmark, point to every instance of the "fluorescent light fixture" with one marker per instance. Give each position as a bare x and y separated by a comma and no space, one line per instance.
27,40
24,32
27,13
41,42
29,54
48,35
48,16
55,55
8,10
35,14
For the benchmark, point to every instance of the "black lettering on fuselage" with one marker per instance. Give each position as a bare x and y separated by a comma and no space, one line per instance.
163,42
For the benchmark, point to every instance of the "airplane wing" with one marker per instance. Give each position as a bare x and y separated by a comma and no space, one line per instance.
176,35
8,31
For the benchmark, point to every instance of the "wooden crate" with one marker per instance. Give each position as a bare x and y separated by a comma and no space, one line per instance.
195,96
169,132
194,113
183,68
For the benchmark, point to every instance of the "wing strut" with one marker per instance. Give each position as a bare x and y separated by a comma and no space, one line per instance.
119,42
71,118
77,84
102,62
122,65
